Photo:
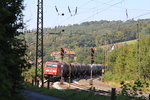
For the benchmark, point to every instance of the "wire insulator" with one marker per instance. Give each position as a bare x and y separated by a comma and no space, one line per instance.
57,10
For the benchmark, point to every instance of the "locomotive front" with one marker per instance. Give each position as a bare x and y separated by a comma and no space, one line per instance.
52,69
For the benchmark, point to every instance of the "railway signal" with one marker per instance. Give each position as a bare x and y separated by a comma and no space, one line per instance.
62,51
92,55
92,61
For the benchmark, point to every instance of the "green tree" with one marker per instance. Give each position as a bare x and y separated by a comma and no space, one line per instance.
12,50
145,57
99,56
127,64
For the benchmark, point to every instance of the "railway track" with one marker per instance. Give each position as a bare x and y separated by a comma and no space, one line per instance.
75,85
91,89
79,87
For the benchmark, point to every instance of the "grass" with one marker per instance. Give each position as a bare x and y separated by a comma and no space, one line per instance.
67,94
129,42
125,42
74,95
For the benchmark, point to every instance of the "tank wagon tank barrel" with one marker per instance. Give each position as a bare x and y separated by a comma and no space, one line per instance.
78,70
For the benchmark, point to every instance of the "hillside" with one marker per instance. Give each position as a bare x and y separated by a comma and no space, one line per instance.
86,35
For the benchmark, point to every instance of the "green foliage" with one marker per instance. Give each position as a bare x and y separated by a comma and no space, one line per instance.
12,50
83,55
125,64
134,89
99,56
108,76
30,74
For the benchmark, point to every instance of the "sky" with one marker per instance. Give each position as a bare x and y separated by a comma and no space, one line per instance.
87,10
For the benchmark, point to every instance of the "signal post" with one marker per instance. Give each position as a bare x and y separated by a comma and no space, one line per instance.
62,51
92,61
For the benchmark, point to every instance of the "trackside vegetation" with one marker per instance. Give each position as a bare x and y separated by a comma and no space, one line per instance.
76,94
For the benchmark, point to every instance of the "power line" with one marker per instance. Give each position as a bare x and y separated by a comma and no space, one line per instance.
104,9
141,15
104,3
88,10
114,5
122,7
129,9
76,11
84,4
93,8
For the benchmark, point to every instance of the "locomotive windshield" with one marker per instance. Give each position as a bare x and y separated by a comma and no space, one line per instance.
51,66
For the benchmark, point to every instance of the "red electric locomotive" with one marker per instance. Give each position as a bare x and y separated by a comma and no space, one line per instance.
52,69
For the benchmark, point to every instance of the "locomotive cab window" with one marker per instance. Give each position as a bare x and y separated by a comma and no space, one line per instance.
51,66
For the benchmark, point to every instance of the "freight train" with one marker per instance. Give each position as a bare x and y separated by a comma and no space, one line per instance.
57,69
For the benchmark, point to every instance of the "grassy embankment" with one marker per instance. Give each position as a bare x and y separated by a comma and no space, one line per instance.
122,43
74,95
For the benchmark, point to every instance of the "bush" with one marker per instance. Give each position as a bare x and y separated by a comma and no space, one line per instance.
108,76
134,89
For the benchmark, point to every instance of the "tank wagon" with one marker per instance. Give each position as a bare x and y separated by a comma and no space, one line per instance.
56,69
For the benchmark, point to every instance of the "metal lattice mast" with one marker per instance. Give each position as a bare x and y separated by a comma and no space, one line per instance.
39,40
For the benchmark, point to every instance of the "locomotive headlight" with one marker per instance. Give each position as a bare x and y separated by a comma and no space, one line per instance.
47,70
54,70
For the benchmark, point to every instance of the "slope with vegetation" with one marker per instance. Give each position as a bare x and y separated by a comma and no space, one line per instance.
81,37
